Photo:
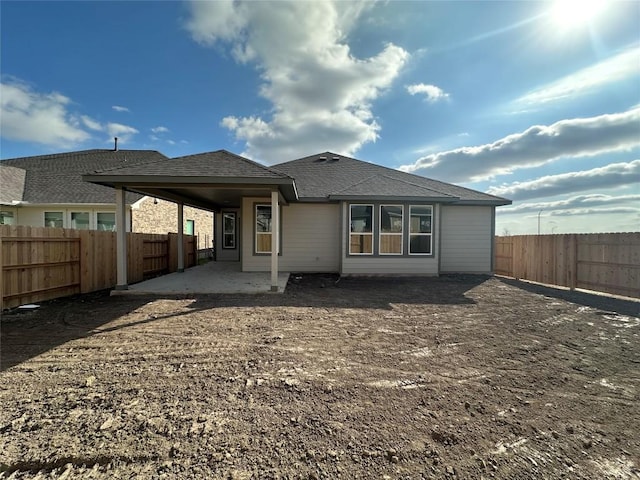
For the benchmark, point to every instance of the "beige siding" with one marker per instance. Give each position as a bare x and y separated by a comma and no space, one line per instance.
162,217
388,265
466,239
310,238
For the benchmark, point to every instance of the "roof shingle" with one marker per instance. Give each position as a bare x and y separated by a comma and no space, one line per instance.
220,163
12,183
57,178
320,176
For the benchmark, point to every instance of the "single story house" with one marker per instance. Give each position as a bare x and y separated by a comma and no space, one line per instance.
322,213
48,191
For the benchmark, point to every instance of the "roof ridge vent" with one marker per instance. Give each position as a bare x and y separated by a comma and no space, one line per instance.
335,158
322,158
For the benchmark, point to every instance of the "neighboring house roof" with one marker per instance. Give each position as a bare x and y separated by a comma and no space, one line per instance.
328,176
12,181
57,178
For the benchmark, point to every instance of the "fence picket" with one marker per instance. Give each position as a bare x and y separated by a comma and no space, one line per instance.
42,263
606,262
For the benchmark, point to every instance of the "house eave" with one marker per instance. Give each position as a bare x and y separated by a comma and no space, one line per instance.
487,203
139,183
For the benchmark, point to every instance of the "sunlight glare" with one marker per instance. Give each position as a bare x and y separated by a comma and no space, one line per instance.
569,14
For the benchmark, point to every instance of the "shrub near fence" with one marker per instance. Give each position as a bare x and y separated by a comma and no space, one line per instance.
605,262
41,263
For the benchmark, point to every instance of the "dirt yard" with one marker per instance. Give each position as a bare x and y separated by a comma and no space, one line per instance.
455,377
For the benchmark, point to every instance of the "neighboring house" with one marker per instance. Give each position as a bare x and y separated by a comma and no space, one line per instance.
154,215
48,190
330,213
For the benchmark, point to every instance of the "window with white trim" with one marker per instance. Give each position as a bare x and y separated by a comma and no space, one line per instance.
6,218
420,229
53,219
106,221
80,220
263,228
391,229
361,229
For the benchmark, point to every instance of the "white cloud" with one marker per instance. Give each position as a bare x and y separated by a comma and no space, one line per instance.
321,94
540,144
160,129
171,142
91,123
29,116
621,66
573,203
431,92
119,108
123,132
612,175
593,211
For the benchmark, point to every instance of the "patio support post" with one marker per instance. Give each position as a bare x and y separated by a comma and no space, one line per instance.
121,240
275,241
180,237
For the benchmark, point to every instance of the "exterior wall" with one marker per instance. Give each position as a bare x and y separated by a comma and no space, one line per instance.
388,264
162,217
34,216
467,239
310,238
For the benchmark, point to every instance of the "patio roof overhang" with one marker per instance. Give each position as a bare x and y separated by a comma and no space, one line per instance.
207,192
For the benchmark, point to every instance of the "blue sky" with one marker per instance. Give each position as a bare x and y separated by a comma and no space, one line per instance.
538,102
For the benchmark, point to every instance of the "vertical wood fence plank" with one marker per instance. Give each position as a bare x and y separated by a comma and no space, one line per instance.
607,262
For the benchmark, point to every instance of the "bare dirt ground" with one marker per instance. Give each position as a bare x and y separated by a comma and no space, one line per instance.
456,377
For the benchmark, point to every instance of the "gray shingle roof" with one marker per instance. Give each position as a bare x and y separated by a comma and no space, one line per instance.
57,178
326,175
12,183
227,164
386,186
220,163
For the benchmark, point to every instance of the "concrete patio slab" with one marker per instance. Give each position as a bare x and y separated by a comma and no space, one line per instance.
212,277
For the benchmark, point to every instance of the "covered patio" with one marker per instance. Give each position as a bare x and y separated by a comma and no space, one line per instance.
213,181
211,277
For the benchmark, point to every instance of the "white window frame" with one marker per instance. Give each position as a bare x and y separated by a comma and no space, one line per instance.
411,234
373,217
82,212
391,234
103,212
7,214
44,217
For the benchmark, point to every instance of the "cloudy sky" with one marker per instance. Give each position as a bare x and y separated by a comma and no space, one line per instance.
538,102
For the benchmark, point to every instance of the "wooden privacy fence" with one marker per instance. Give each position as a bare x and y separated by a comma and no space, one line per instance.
41,263
605,262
